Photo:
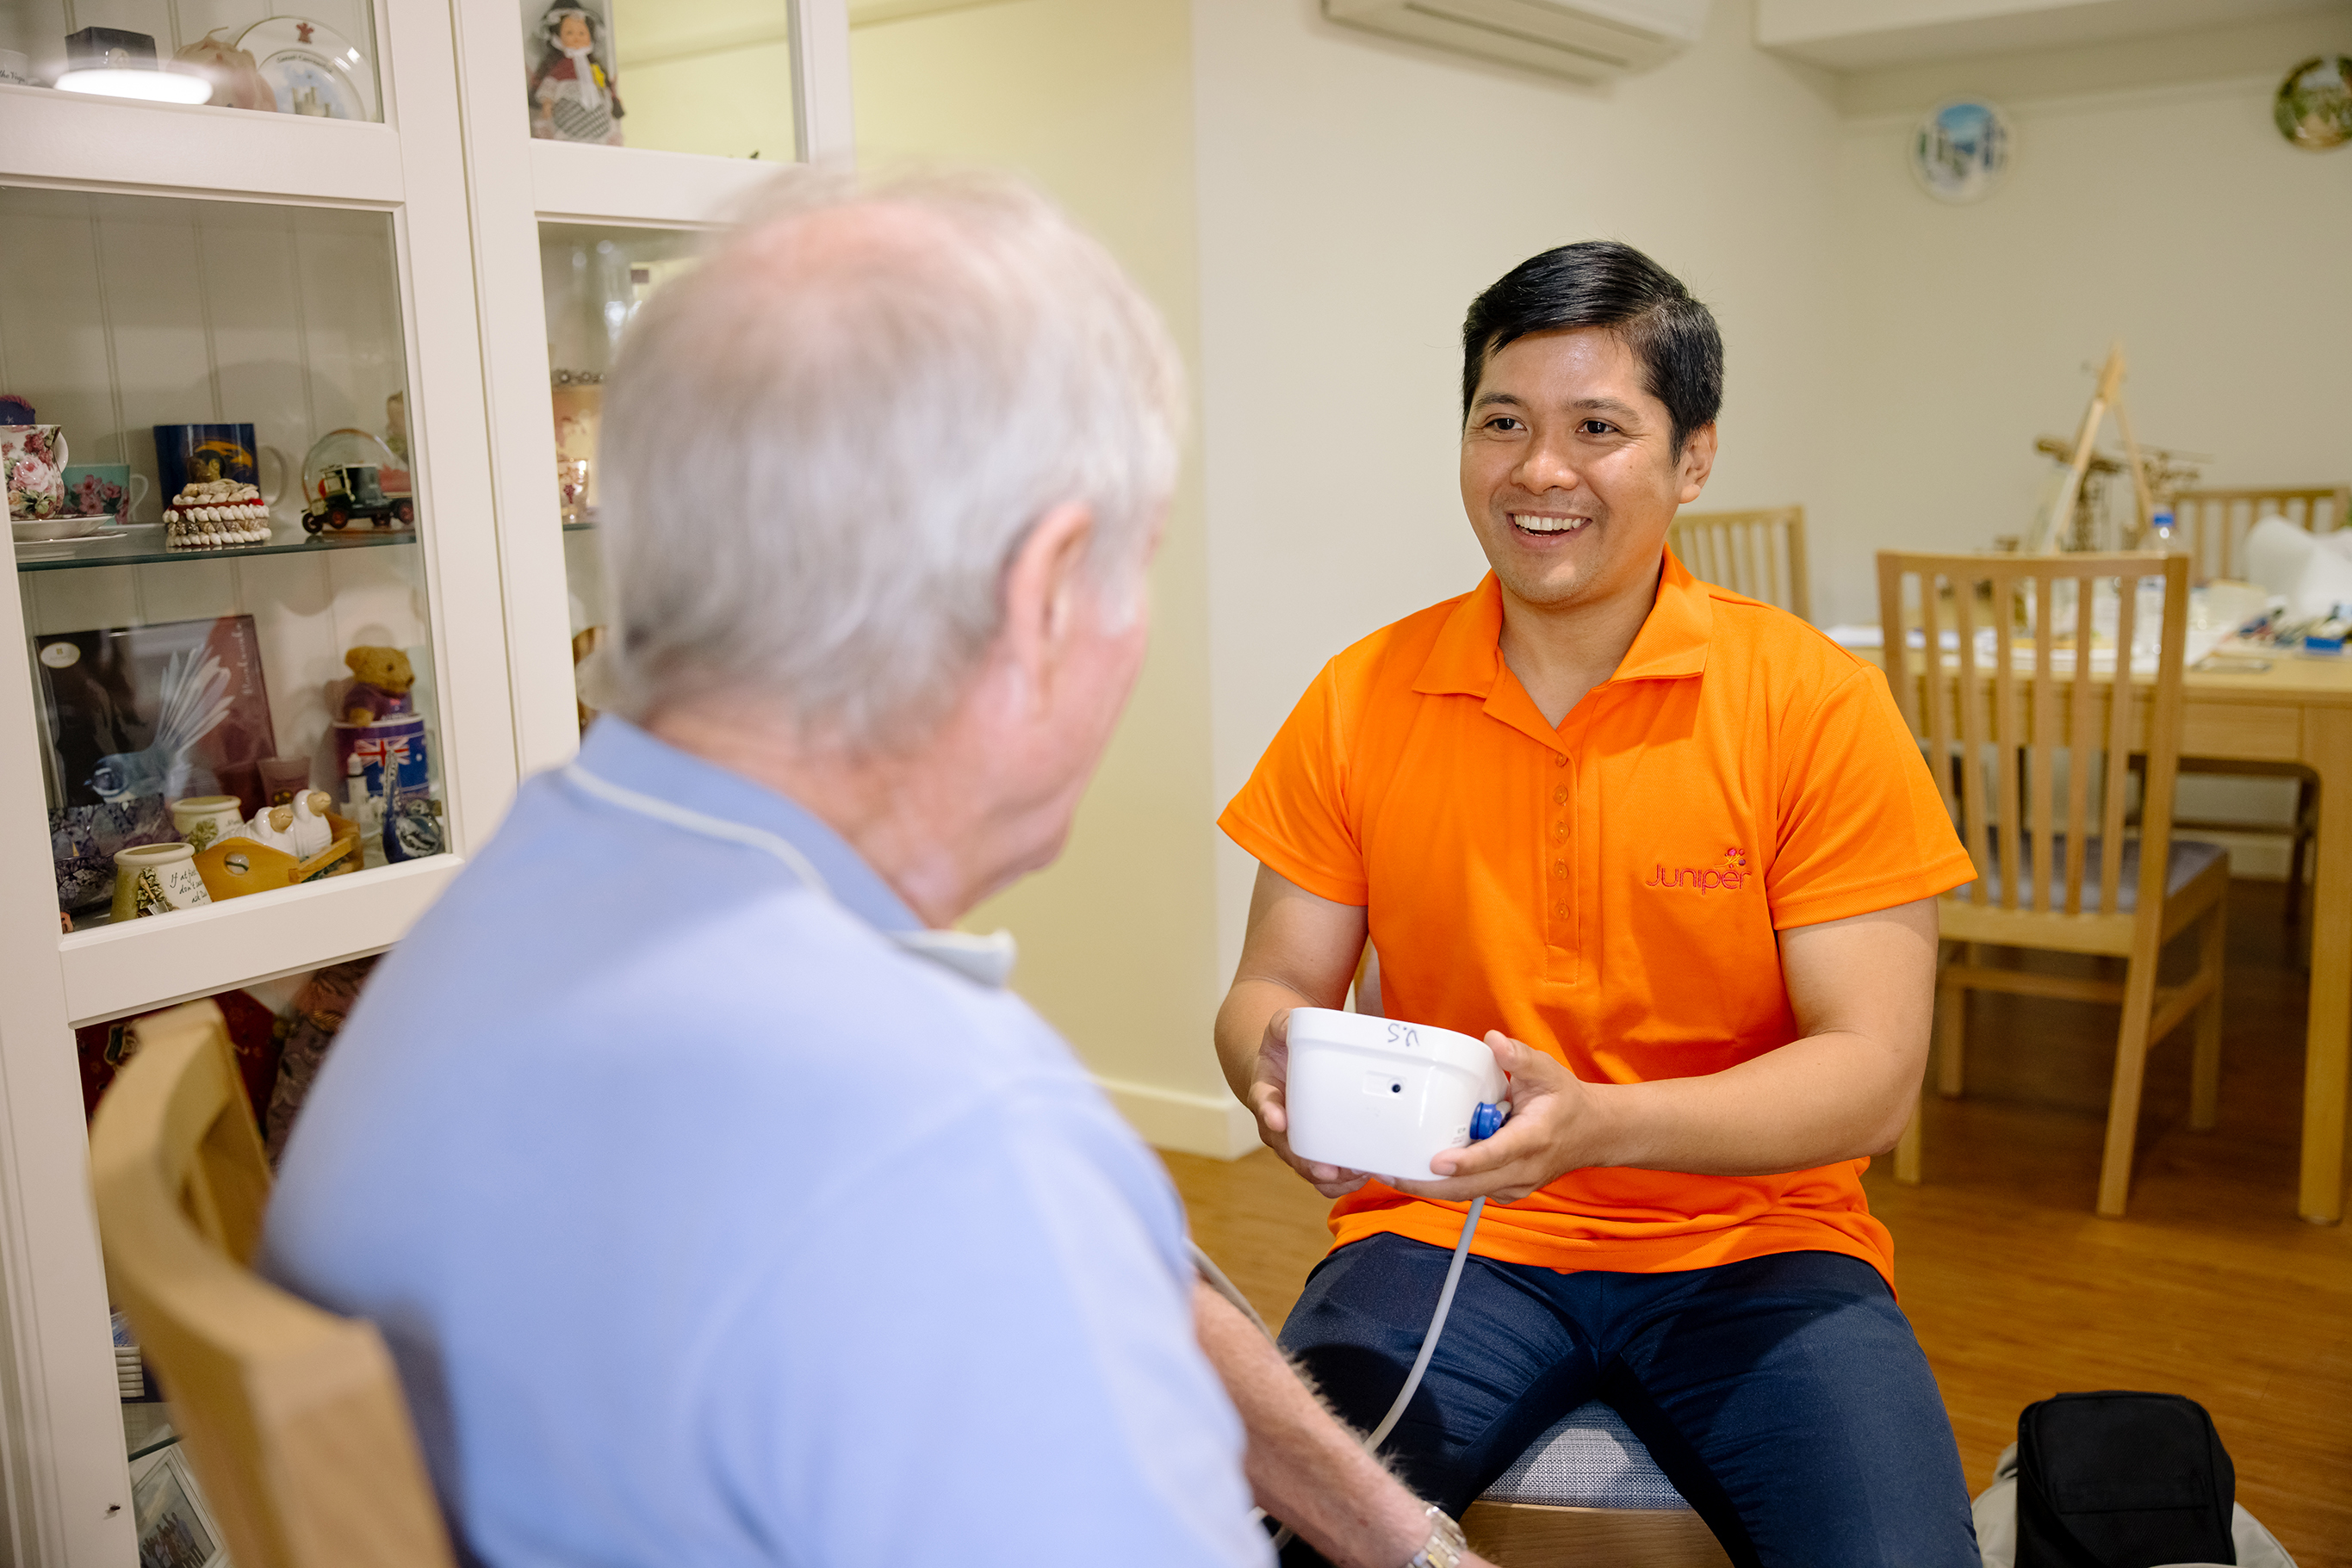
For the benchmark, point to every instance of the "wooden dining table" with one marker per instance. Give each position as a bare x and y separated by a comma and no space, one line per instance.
2298,710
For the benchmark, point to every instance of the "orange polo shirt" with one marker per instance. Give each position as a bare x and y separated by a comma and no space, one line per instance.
1606,892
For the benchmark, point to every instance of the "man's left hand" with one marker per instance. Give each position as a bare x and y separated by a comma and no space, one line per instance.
1558,1124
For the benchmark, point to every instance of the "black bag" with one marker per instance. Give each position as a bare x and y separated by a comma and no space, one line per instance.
2121,1480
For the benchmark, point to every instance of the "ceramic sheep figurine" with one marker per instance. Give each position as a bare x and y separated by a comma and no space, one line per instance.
300,829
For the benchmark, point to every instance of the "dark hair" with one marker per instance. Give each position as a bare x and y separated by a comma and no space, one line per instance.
1601,283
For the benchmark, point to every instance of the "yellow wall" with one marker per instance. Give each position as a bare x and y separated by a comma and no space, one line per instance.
1093,99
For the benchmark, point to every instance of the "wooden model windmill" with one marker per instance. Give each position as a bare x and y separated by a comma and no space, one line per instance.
2108,396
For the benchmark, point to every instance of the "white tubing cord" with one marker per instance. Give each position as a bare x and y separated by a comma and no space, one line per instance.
1436,1326
1428,1345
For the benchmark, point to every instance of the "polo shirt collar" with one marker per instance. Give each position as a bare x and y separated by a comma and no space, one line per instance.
1468,658
618,752
1673,642
626,767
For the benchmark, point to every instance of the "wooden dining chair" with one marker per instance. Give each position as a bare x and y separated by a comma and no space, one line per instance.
1760,554
2030,744
292,1417
2213,524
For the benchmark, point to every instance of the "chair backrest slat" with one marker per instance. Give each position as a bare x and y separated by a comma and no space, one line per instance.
1938,700
2010,836
2167,703
2044,751
2121,726
1760,554
1973,728
2083,749
2060,694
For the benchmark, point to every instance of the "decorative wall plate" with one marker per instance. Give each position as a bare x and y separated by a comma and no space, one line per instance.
2314,108
312,68
1961,150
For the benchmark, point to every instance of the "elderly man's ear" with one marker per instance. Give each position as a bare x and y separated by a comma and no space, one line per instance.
1050,597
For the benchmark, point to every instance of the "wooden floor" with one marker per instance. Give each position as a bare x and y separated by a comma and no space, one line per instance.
2212,1288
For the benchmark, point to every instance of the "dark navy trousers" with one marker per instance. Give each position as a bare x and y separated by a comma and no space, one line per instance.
1785,1396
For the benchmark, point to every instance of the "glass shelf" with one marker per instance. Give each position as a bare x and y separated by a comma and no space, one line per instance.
143,546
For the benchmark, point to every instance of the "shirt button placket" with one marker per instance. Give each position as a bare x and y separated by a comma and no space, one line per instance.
1558,881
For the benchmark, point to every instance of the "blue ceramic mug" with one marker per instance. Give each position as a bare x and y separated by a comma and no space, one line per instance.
199,454
104,489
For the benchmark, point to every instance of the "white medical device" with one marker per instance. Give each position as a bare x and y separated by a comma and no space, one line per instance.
1384,1096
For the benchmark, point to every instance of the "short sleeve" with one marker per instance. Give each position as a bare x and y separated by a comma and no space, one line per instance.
1861,825
1293,814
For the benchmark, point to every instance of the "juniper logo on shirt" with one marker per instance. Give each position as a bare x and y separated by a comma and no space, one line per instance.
1728,875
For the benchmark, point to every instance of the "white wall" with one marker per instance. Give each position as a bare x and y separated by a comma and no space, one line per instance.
1355,194
2174,219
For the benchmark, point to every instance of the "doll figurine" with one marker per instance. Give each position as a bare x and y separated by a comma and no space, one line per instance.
572,98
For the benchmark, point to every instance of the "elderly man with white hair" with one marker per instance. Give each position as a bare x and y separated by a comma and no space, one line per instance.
719,1205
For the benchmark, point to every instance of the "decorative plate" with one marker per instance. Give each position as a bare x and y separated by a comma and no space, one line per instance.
1960,151
312,68
50,530
2314,108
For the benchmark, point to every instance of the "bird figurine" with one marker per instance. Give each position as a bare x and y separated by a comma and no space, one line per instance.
194,702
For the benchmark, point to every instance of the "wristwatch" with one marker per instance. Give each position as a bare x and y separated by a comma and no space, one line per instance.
1446,1546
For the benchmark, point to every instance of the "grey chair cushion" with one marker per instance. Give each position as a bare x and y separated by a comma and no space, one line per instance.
1590,1459
2188,858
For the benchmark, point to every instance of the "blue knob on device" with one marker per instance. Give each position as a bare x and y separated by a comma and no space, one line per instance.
1485,1121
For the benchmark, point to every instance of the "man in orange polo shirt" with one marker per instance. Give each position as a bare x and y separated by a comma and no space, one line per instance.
1674,854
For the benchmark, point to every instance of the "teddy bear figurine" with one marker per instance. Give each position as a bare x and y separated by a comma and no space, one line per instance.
380,690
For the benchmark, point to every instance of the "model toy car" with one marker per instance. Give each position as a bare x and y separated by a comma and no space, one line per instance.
351,491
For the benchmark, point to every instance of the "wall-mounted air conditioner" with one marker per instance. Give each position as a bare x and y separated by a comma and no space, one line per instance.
1590,40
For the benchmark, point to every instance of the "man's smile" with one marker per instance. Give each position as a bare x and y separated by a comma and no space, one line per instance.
1542,525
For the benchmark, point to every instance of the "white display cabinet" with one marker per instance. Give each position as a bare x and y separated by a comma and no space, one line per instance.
295,271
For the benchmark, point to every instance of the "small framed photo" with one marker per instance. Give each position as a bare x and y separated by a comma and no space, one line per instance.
176,1528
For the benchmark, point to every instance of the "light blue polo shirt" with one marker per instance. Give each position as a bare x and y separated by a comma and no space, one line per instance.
710,1225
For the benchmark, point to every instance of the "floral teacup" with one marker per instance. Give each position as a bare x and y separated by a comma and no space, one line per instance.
33,456
104,490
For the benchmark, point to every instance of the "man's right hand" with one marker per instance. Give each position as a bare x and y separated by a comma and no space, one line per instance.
1264,1099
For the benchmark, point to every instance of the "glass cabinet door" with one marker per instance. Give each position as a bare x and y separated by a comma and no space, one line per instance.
595,277
217,557
675,76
